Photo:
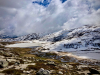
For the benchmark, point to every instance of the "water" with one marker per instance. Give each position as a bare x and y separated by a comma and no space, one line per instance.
88,54
24,45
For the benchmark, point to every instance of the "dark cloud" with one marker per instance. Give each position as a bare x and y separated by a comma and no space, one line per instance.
11,3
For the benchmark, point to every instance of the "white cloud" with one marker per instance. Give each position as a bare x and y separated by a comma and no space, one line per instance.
88,19
24,17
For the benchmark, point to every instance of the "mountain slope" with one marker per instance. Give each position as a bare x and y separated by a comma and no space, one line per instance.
86,37
28,37
3,36
32,36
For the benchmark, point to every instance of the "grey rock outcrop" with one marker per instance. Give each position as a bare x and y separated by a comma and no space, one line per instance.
43,72
3,63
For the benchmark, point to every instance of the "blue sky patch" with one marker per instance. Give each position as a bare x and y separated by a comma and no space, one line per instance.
44,3
63,1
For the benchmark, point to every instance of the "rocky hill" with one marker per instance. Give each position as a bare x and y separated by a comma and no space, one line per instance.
79,38
32,36
27,61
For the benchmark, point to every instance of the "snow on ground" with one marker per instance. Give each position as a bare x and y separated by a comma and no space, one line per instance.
23,66
81,54
83,38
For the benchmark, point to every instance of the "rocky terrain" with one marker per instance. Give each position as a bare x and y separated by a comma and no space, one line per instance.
33,61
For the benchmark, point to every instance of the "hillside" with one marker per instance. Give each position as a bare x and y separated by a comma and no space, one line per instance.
32,36
80,38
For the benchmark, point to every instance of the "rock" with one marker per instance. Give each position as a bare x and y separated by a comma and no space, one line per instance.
7,54
64,66
93,71
52,71
70,66
82,74
3,63
2,57
26,72
43,72
25,62
60,72
17,63
51,63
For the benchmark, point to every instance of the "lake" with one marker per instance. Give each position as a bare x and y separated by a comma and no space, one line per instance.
25,45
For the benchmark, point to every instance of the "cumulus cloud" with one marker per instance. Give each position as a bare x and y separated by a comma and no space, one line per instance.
87,15
23,17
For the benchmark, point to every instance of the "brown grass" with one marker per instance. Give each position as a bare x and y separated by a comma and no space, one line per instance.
41,65
5,43
20,51
13,71
2,46
29,55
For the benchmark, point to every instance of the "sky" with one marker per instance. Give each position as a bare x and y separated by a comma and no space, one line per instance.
21,17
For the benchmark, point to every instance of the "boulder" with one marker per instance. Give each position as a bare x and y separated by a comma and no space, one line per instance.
61,73
43,72
51,63
3,63
17,63
93,71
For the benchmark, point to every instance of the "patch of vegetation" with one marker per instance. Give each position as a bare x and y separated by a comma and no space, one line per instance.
29,55
13,71
21,61
11,63
68,59
41,65
48,59
50,54
5,53
41,58
2,46
20,51
85,68
5,43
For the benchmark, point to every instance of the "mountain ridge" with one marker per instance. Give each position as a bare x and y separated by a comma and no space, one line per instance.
82,38
32,36
65,34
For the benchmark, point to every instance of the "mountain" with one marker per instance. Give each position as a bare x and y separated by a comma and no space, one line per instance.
28,37
22,38
79,38
2,36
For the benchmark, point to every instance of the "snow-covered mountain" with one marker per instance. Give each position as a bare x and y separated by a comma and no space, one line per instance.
3,36
32,36
85,37
83,41
79,38
28,37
